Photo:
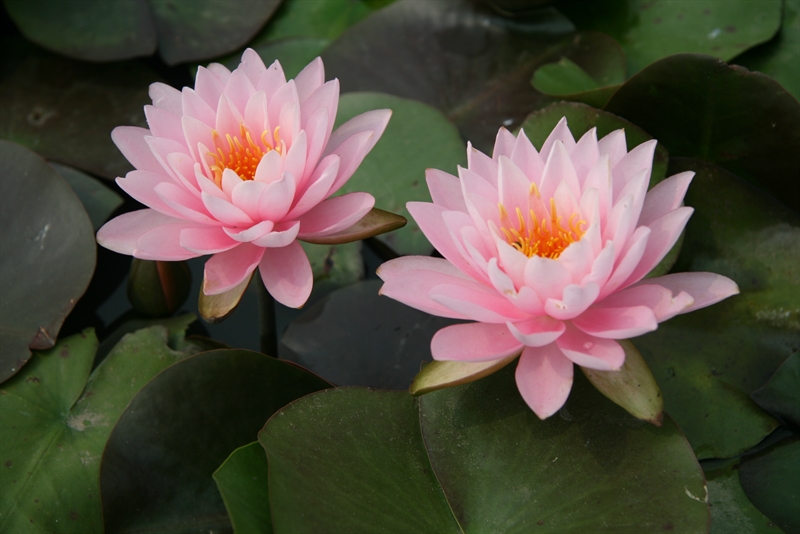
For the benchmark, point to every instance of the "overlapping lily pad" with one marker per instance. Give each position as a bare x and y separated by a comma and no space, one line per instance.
649,31
770,481
157,466
700,107
491,464
781,396
708,362
56,420
98,200
47,256
731,510
242,482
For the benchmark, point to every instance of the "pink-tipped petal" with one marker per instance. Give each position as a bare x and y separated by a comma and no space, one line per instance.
225,212
250,234
254,67
286,273
121,233
546,277
575,301
590,351
664,232
206,240
410,279
614,146
335,214
663,302
617,323
272,80
227,269
166,97
445,190
665,197
705,288
208,86
246,195
317,187
197,108
537,331
558,170
560,134
277,197
544,379
503,144
130,140
164,243
478,303
310,78
281,237
527,158
474,342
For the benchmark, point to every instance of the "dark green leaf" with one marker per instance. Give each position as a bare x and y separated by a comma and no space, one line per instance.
700,107
157,465
242,482
708,362
649,31
56,423
47,257
375,222
731,510
770,481
781,395
92,30
355,337
352,460
98,200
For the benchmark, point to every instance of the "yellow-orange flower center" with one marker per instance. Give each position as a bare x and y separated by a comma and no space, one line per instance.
541,236
241,153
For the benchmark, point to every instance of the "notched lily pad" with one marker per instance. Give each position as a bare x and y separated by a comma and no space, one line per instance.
48,255
98,200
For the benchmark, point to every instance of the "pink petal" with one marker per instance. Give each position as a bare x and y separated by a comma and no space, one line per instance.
477,302
558,169
250,234
229,119
474,342
617,323
513,186
289,123
208,86
503,144
206,240
546,277
197,133
272,80
335,214
246,195
184,203
660,300
227,269
286,94
277,197
130,140
410,279
614,146
527,158
537,331
121,233
317,186
286,273
229,181
705,288
429,218
665,197
445,190
310,78
269,168
255,115
162,123
281,237
325,97
575,301
222,72
589,351
408,264
317,129
255,69
373,122
239,90
197,108
544,379
634,162
584,155
166,97
560,133
182,166
141,186
164,243
225,212
628,260
295,160
664,232
501,282
482,165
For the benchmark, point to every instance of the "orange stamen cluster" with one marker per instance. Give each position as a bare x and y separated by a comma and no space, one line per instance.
242,153
545,237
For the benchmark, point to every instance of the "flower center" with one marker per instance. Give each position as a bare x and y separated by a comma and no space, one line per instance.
241,153
546,236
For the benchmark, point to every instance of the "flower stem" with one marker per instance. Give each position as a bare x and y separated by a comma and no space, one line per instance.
266,315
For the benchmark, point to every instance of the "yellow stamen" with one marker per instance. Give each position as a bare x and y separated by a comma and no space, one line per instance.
241,153
545,237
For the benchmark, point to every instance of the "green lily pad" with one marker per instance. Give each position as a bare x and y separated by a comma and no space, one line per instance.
157,466
242,482
700,107
708,362
649,31
56,419
335,265
98,200
778,58
781,396
770,481
418,137
473,66
48,255
355,337
294,53
353,460
91,30
65,109
731,510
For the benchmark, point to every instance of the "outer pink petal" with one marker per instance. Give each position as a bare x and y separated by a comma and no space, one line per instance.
410,279
121,233
225,212
617,323
335,214
705,288
665,197
560,133
661,300
162,123
141,186
585,154
208,86
544,379
310,78
474,342
286,273
590,351
246,195
197,108
164,243
482,165
254,67
503,144
537,331
130,141
445,190
513,186
557,170
317,187
429,218
614,146
272,80
227,269
478,303
280,237
206,240
628,260
165,97
527,158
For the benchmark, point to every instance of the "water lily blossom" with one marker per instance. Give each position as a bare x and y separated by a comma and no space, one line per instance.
547,252
240,167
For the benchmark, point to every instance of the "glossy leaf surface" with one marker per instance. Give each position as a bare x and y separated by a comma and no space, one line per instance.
781,395
98,200
242,482
731,510
47,250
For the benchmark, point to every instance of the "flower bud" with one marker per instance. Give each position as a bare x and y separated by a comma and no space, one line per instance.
158,288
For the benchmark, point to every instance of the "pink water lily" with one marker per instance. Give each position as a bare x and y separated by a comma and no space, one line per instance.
241,167
547,252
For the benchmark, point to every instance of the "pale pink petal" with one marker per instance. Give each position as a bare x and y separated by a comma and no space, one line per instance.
664,232
544,379
246,195
141,186
286,94
410,279
503,144
537,331
335,214
121,233
225,212
665,197
325,97
627,261
130,140
269,168
407,264
617,323
255,69
164,243
474,342
162,123
429,219
255,117
316,129
228,269
560,134
445,190
502,283
575,301
310,79
208,86
277,197
528,301
286,273
206,240
621,222
162,148
638,160
705,288
279,238
197,108
513,186
527,158
317,188
229,119
289,123
230,180
636,188
590,351
239,90
295,160
558,169
222,72
478,303
661,300
184,203
198,133
482,165
250,234
614,146
599,179
374,121
272,80
207,186
182,166
584,155
512,261
546,277
166,97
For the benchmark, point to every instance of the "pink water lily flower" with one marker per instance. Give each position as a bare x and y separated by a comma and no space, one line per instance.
547,252
241,167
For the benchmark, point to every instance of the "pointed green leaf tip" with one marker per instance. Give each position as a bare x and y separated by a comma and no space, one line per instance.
445,374
373,223
633,387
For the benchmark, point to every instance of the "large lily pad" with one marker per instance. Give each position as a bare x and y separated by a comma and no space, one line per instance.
472,65
47,255
353,460
781,396
157,466
731,510
700,107
65,109
56,420
708,362
242,482
98,200
649,31
355,337
770,481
